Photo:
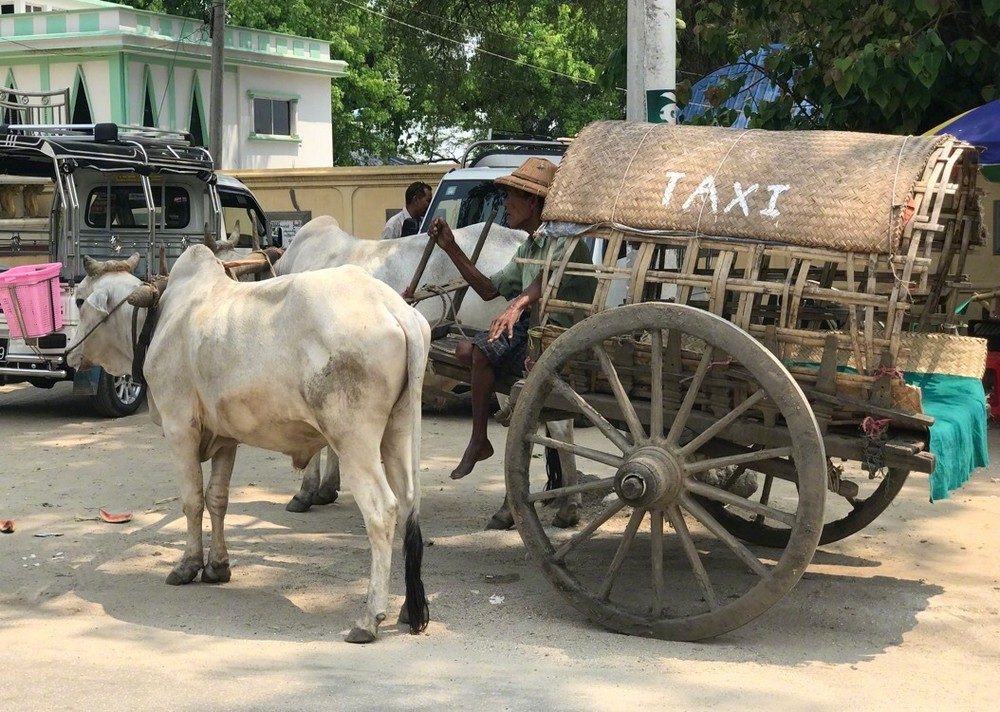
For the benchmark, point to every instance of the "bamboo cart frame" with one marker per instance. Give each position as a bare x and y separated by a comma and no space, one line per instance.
728,354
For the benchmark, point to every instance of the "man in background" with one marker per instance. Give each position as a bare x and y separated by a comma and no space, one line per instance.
418,199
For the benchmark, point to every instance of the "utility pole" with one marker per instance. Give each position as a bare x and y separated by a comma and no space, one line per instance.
218,44
652,59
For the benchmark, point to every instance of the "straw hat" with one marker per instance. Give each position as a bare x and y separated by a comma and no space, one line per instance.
533,176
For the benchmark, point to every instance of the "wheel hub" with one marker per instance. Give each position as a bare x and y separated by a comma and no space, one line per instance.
650,474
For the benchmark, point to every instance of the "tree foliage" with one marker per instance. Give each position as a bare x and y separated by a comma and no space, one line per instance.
891,66
419,69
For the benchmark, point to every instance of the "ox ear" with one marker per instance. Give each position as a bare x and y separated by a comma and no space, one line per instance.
132,262
92,266
145,296
99,301
210,242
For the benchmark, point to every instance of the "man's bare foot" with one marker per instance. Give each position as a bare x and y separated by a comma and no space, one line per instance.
473,454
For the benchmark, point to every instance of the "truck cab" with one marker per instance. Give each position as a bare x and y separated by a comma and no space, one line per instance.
105,191
467,195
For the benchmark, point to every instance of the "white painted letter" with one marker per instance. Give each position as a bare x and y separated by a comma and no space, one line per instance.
707,186
668,192
741,198
775,190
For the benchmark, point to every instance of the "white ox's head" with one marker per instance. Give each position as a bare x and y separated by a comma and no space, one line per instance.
103,336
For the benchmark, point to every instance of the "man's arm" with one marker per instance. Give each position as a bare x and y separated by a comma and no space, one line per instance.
442,234
504,324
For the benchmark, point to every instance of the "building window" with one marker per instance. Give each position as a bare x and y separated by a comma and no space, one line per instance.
7,9
273,117
33,8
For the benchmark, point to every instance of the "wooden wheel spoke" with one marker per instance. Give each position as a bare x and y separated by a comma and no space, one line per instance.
722,423
585,452
697,567
546,495
656,560
656,385
742,458
621,395
757,508
734,544
600,422
628,536
588,531
687,405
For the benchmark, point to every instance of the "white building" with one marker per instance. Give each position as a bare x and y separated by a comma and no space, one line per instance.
142,68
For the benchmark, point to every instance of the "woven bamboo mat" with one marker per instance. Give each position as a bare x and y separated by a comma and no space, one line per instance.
840,190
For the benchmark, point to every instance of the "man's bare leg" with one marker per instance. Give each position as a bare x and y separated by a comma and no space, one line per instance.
483,379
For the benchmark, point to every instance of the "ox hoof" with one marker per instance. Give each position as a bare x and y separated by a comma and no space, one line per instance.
181,577
325,497
502,520
297,505
360,635
216,574
404,617
571,519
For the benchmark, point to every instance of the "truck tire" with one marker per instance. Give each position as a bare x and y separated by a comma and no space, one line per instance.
118,396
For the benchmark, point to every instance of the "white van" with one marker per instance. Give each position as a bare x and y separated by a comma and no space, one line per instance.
103,191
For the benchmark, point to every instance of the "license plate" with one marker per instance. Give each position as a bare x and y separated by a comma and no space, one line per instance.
3,350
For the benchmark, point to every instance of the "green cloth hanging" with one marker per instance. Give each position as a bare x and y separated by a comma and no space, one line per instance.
958,436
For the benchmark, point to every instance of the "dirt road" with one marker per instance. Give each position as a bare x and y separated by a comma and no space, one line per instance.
903,616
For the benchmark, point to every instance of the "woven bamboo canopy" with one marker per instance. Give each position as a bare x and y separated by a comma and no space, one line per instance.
851,192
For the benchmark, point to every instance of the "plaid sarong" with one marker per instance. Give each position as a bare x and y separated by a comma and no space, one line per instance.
506,353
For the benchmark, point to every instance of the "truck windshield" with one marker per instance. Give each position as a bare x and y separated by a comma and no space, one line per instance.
466,202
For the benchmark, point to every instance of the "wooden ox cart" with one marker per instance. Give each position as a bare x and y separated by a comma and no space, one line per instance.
771,316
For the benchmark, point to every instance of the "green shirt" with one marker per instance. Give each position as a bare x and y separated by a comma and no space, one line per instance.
515,277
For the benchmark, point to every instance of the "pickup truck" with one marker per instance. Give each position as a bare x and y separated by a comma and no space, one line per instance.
105,191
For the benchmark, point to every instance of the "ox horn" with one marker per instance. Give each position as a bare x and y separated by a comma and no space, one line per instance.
92,266
210,242
164,269
132,262
234,236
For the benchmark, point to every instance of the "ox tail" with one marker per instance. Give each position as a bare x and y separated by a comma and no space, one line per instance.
418,343
417,610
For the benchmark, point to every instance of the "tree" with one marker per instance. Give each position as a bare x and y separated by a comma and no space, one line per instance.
893,66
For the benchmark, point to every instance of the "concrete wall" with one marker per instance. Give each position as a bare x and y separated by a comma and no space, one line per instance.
358,197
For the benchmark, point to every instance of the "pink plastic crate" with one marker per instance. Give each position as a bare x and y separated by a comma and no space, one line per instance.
29,297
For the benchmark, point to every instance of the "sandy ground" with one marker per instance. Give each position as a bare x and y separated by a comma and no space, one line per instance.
903,616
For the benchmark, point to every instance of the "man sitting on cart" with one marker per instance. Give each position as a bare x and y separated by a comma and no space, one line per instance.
501,351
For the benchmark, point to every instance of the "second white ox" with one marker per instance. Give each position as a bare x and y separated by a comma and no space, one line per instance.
321,243
343,368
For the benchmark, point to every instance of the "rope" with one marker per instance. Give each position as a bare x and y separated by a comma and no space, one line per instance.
635,153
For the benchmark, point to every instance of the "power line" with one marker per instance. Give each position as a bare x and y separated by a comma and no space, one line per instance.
474,49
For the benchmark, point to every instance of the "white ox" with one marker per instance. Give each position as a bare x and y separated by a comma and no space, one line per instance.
321,243
342,366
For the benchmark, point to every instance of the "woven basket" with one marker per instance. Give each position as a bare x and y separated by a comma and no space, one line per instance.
839,190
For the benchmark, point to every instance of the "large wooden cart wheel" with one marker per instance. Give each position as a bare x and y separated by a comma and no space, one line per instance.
652,560
845,514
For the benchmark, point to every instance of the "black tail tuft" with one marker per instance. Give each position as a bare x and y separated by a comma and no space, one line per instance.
413,554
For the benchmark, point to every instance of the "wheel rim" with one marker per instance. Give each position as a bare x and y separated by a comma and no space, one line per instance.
656,464
845,513
127,390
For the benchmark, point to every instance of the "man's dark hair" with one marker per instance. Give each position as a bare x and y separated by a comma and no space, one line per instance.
415,191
